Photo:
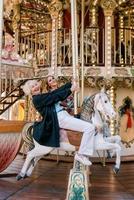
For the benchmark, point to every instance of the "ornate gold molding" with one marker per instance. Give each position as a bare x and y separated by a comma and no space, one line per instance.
16,14
108,4
55,7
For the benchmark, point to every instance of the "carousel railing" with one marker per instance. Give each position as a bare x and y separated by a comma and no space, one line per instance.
40,45
122,47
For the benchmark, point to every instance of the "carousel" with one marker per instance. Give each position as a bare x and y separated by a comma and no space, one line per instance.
88,40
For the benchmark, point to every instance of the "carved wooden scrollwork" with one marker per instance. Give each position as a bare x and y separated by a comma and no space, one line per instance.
108,5
55,8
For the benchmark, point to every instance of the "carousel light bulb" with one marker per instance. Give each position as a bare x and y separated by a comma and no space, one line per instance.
108,52
111,93
108,57
108,72
109,38
112,124
112,98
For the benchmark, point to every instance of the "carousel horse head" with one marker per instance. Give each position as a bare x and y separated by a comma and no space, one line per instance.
97,102
103,105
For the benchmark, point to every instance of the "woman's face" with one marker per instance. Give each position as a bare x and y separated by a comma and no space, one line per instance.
35,88
52,82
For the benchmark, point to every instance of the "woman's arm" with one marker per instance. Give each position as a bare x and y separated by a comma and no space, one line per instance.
53,97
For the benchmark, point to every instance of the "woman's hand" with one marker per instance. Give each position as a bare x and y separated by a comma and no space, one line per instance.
75,87
75,80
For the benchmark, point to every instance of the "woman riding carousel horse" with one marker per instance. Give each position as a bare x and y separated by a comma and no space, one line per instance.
46,132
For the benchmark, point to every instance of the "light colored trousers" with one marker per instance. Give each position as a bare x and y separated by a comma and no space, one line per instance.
66,121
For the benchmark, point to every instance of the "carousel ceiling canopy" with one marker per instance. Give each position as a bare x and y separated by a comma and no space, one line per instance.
34,15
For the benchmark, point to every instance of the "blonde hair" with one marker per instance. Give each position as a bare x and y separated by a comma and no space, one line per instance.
28,86
48,88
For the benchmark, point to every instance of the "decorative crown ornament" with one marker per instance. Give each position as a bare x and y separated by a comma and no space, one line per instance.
108,4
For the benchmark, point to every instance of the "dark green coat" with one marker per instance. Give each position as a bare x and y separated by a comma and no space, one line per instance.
46,132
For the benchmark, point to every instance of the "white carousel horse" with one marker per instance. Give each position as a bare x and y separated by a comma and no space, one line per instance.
100,104
37,151
94,109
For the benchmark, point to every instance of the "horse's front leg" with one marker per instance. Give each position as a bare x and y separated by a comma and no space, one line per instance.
117,149
118,158
111,146
113,139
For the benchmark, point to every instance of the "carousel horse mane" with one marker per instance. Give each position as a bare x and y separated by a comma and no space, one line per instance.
98,102
87,108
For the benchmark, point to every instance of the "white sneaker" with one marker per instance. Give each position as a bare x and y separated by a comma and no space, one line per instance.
82,159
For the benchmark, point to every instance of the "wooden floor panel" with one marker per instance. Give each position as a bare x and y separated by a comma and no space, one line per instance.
49,182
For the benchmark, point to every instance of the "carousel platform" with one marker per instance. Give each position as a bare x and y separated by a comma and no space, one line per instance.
49,182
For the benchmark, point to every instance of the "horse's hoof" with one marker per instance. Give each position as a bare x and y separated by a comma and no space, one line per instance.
20,177
108,155
116,170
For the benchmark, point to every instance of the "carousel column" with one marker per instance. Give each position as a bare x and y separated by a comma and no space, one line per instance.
113,101
1,34
54,9
16,22
48,43
121,41
26,114
108,7
94,23
60,35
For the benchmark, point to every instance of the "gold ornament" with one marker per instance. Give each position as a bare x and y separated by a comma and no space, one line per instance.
108,4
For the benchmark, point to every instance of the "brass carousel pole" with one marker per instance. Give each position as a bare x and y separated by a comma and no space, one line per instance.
1,33
82,49
74,46
79,171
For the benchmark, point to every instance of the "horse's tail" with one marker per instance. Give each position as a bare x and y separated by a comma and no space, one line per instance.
27,134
